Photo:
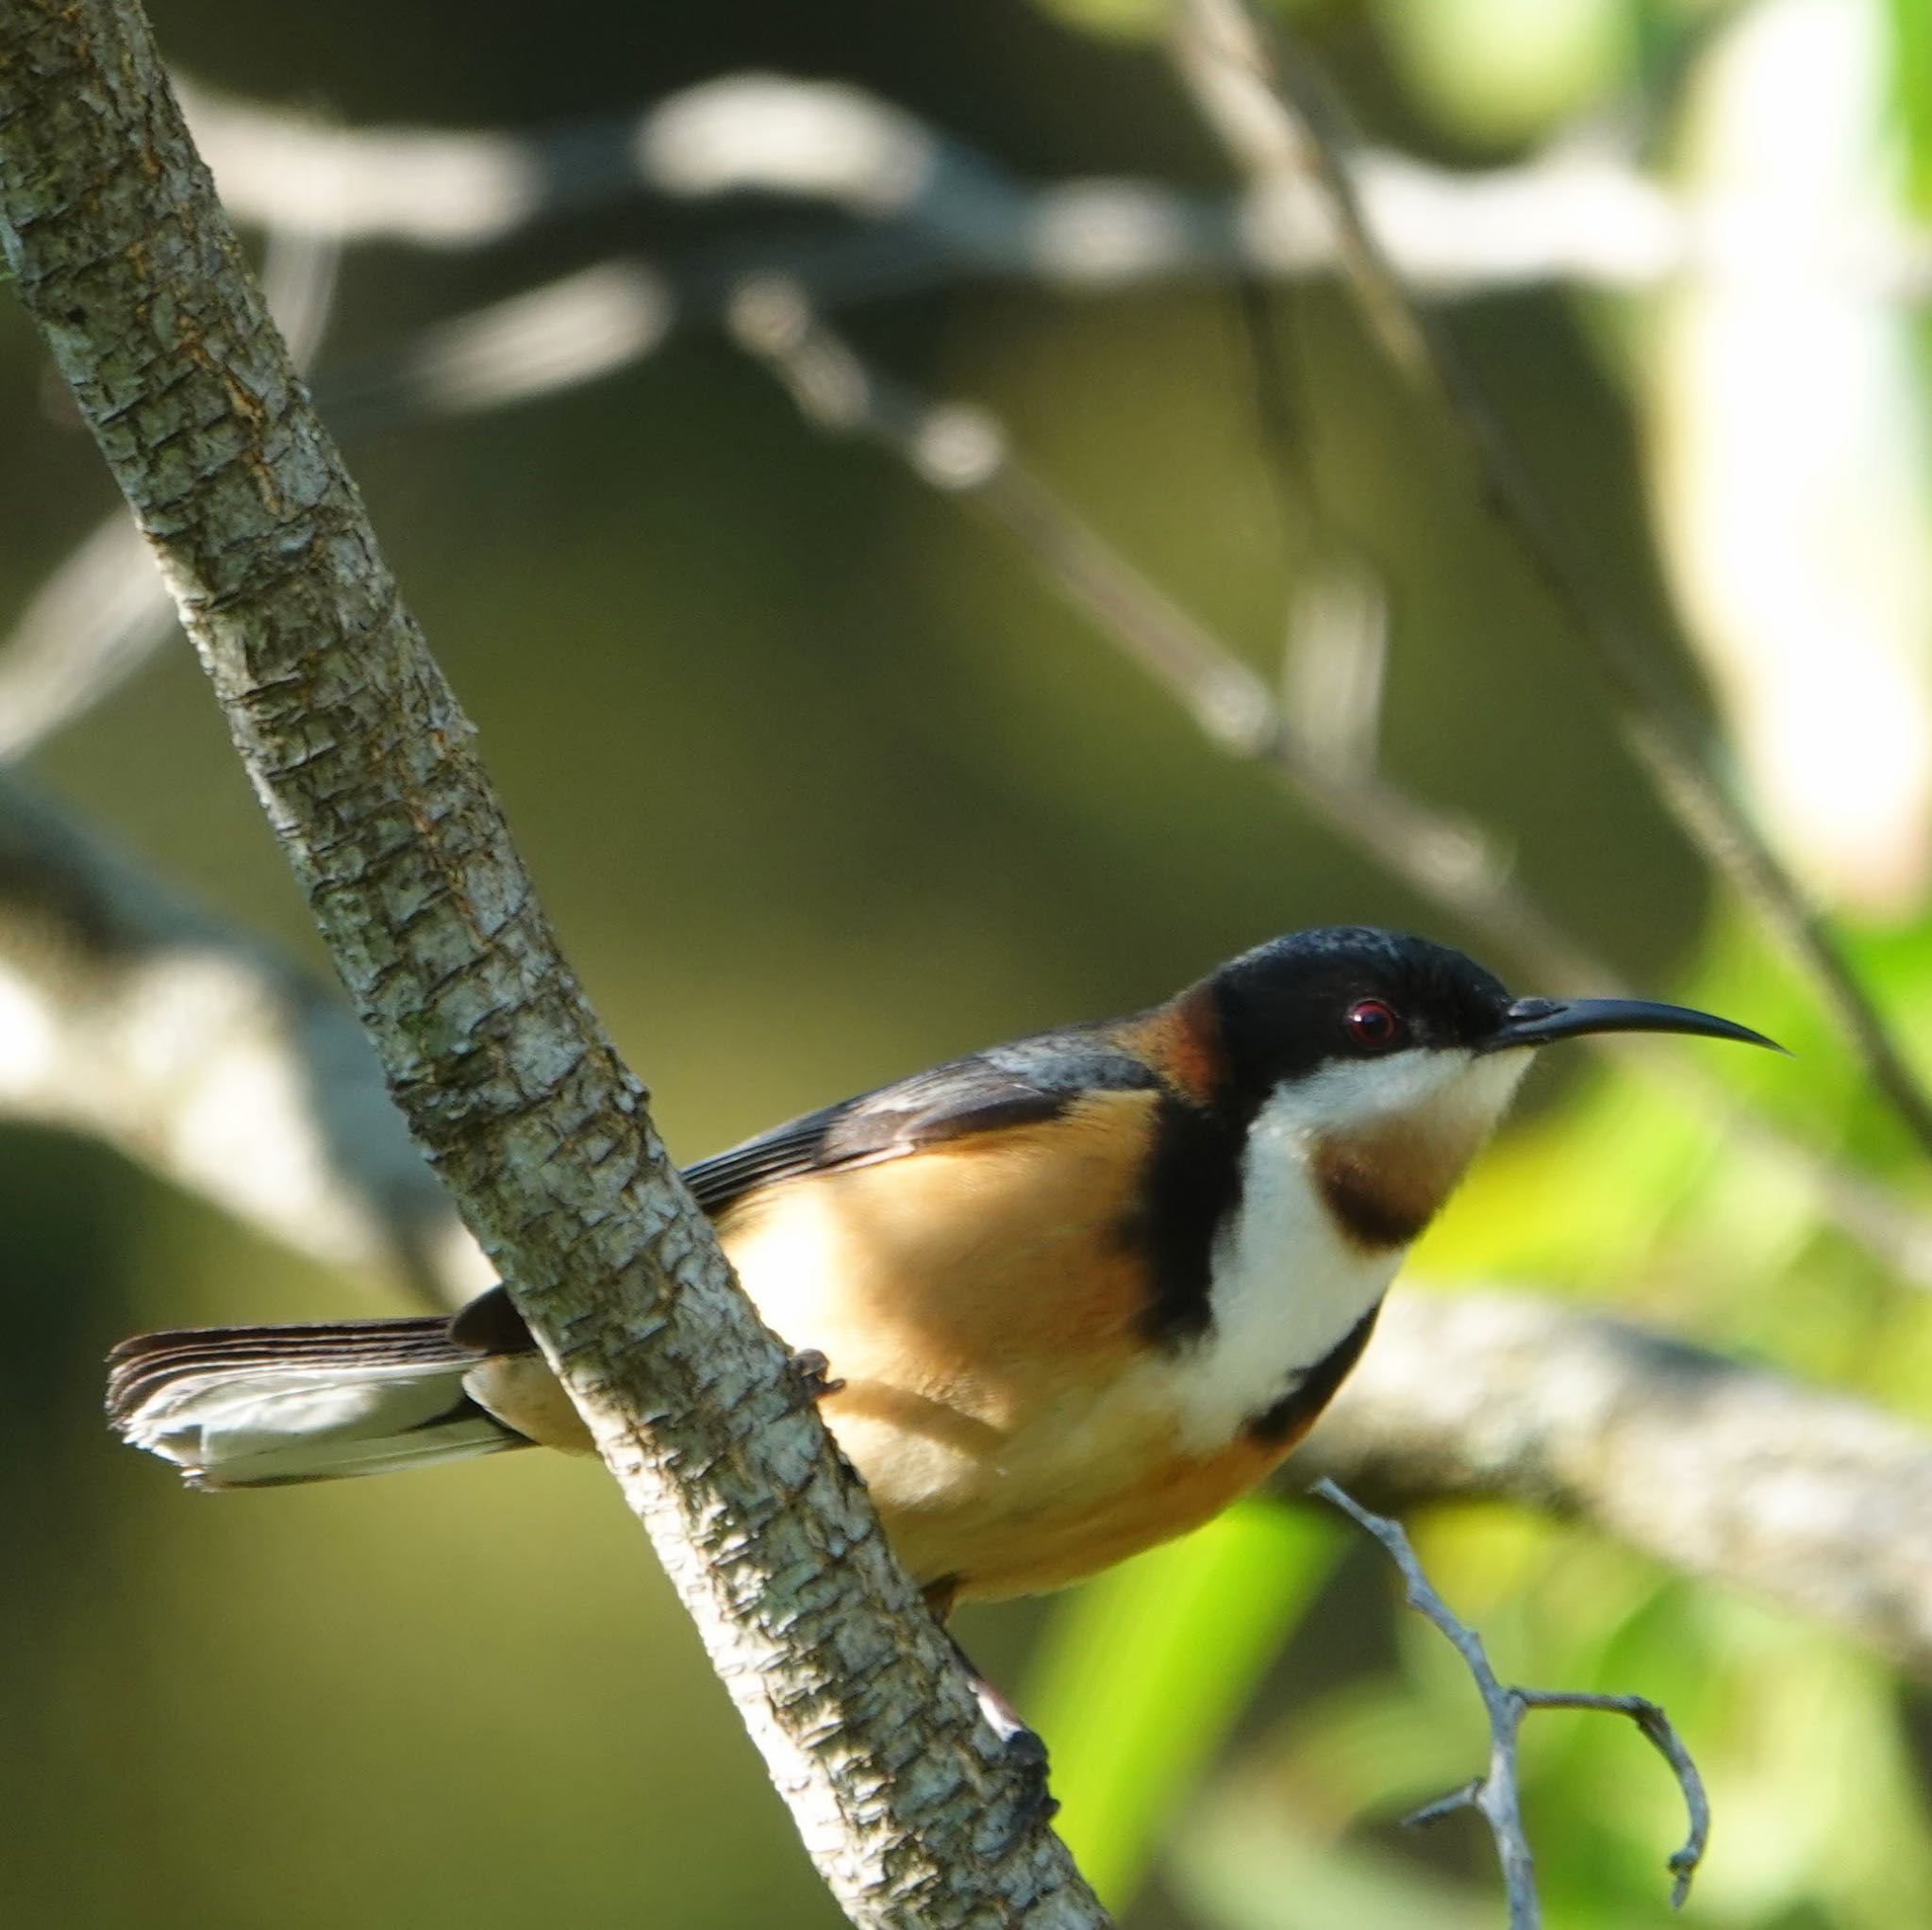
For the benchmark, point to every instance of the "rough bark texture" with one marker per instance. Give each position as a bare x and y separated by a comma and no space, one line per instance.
365,767
1808,1498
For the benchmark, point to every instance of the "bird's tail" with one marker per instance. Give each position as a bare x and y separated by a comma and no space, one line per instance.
256,1407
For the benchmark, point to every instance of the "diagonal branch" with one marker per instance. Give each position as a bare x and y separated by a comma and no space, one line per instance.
1279,121
102,612
367,770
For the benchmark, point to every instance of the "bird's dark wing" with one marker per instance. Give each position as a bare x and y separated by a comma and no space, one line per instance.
1011,1085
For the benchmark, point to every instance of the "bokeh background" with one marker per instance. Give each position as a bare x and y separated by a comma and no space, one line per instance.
822,783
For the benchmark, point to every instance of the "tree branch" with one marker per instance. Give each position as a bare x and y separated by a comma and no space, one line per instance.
1748,1477
1580,212
1280,124
365,766
129,1014
104,612
1740,1476
1494,1794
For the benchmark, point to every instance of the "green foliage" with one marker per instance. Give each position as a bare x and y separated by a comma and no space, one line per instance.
1148,1668
1911,95
1503,71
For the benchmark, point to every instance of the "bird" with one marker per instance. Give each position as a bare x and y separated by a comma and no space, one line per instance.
1061,1300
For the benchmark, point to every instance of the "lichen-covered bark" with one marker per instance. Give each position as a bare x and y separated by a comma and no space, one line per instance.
367,771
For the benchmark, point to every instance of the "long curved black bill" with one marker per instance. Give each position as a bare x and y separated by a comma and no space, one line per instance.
1537,1021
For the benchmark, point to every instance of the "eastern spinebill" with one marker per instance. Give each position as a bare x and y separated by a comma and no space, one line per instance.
1076,1294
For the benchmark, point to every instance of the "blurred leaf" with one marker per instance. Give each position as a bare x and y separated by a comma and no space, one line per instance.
1146,1669
1510,69
1139,19
1250,1862
1122,18
1911,78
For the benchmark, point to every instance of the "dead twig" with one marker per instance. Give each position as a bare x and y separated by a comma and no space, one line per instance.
1495,1795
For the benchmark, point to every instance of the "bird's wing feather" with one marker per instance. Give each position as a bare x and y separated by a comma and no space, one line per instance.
948,1103
1022,1084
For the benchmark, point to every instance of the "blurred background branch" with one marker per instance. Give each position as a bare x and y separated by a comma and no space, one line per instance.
1455,865
1281,124
1582,212
1714,1468
129,1014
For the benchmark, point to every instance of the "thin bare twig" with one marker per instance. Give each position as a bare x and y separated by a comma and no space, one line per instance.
1730,1470
1494,1795
1281,121
964,452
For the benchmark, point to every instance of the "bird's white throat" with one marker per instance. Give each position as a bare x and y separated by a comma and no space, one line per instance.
1288,1281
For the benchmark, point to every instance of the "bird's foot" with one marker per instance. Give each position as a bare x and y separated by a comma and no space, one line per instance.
812,1373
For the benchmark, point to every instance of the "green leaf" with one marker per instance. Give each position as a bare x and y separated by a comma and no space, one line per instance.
1145,1670
1911,86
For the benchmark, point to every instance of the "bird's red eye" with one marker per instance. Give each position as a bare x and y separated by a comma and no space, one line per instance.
1373,1026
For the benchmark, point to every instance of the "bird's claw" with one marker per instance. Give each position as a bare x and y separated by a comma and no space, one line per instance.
812,1372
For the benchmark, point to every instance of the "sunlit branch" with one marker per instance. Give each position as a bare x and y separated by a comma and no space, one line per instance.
102,612
1281,124
137,1017
1494,1795
964,453
367,770
1581,213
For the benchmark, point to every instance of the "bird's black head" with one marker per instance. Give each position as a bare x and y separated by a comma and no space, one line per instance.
1349,994
1353,995
1381,1063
